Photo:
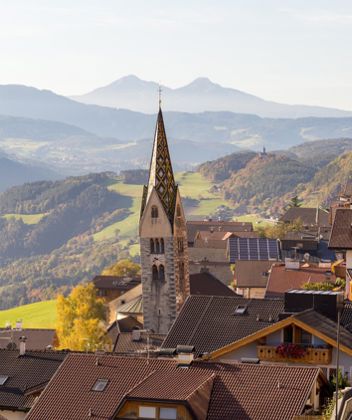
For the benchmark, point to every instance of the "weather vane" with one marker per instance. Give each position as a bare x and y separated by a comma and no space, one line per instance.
159,90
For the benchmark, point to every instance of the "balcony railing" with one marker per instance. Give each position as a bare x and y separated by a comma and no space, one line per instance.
308,354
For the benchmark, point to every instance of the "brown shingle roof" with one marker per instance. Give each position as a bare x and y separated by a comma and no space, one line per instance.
210,322
252,273
341,234
206,284
281,279
124,343
307,215
239,391
193,226
116,282
37,339
30,371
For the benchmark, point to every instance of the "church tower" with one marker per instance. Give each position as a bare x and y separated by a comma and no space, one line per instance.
163,240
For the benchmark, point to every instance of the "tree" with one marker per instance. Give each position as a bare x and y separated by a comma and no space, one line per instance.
81,320
123,267
294,202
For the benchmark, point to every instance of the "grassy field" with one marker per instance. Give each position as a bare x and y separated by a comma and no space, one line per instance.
28,219
192,185
34,315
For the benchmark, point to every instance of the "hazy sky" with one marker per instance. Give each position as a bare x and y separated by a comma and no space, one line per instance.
297,51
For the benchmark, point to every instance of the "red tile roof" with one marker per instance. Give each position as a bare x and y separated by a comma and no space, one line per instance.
281,279
239,391
252,273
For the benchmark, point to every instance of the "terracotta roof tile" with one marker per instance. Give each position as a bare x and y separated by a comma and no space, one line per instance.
307,215
239,391
282,279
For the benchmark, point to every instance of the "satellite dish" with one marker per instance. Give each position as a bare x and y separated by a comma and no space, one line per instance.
306,256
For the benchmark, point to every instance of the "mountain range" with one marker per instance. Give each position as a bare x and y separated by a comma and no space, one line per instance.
71,138
131,92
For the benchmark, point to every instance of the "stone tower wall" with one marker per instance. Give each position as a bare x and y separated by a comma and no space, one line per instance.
159,297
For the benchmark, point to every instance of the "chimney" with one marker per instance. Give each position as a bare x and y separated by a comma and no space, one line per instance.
185,354
136,335
23,345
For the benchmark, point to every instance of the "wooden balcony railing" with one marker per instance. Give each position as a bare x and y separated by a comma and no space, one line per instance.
312,355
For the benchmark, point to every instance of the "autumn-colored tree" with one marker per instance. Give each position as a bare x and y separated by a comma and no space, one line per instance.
279,230
123,267
81,320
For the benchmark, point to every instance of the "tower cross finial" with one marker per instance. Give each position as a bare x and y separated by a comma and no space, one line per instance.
160,91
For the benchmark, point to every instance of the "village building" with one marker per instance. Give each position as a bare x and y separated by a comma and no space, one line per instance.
112,287
251,277
341,242
24,375
111,387
36,338
293,274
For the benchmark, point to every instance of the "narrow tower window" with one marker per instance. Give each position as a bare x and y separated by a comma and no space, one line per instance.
155,273
162,246
178,211
157,246
155,212
152,248
161,273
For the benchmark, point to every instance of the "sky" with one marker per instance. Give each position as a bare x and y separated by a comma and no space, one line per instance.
296,52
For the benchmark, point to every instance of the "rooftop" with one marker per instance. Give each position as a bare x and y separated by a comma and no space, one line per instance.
211,322
120,283
308,216
252,273
238,391
282,279
37,339
341,234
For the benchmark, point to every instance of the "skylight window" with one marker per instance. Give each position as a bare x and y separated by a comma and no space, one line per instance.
3,379
240,310
100,385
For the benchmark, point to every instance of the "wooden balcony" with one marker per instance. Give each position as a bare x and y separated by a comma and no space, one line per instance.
316,356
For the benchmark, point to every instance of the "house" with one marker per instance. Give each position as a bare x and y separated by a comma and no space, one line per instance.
304,335
251,277
23,376
112,387
205,283
195,226
211,322
310,217
128,303
36,338
341,242
214,260
293,275
111,287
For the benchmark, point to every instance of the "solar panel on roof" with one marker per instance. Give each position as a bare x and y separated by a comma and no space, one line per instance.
253,249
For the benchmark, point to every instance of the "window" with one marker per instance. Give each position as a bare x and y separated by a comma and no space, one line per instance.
162,246
288,334
168,413
182,276
180,245
100,385
155,275
161,273
240,310
147,412
152,249
155,212
157,246
3,379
